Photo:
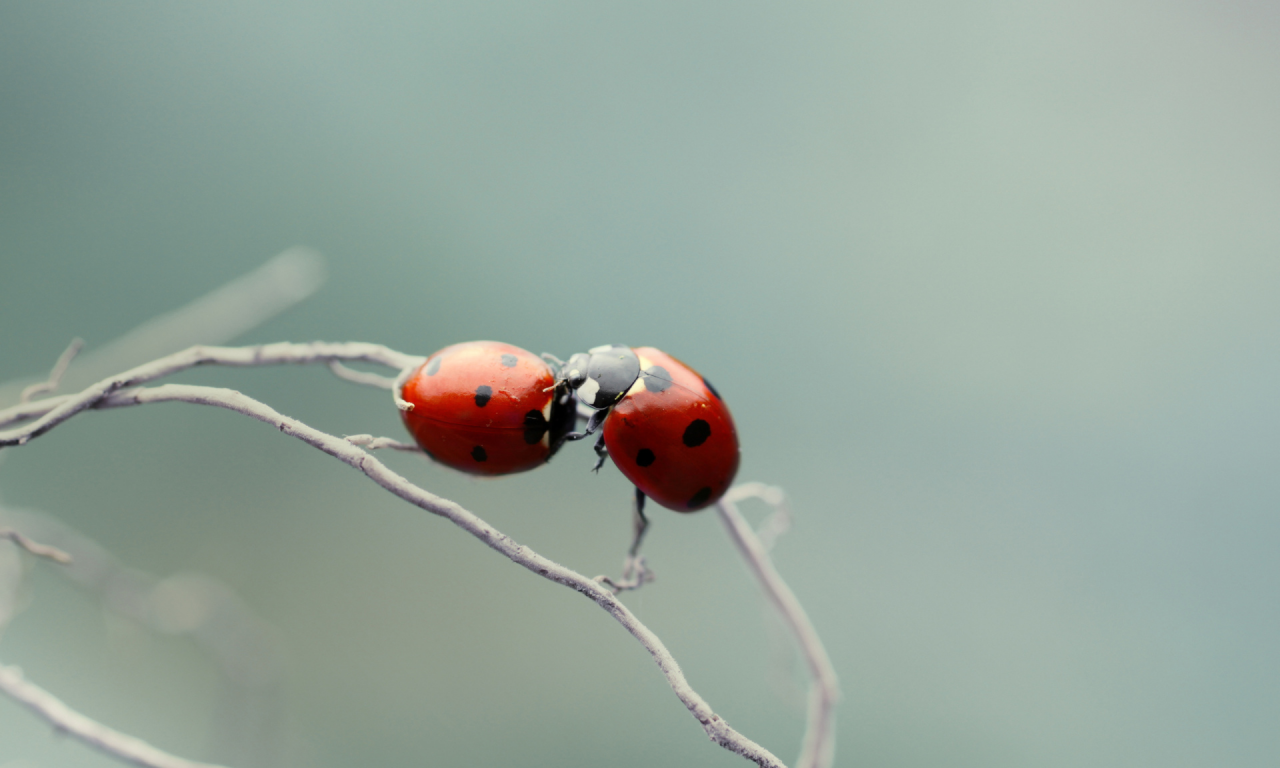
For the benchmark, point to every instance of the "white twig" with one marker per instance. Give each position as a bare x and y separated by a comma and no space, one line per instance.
374,443
91,732
106,394
818,748
361,377
52,553
60,367
779,520
398,385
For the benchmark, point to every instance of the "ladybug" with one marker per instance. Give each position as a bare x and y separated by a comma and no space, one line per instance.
663,424
487,408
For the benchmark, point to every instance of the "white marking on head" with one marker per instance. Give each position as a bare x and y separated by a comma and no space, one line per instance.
587,392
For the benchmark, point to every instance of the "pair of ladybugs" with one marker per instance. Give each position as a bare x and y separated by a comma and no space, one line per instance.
489,408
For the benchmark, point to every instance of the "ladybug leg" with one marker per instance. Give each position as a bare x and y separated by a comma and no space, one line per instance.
593,424
634,571
639,523
602,453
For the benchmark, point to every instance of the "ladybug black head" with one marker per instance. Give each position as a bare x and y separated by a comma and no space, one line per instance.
602,375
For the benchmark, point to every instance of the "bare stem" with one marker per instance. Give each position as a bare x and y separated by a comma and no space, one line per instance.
91,732
818,748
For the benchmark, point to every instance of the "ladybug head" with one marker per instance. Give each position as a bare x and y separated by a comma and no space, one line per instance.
601,376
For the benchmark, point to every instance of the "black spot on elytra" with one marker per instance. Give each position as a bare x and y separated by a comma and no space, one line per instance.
700,498
509,361
433,367
696,433
483,393
707,384
535,426
657,379
478,453
645,457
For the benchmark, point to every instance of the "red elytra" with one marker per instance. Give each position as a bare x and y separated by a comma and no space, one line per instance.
677,442
487,408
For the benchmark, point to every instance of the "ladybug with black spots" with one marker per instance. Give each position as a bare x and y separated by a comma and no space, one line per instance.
487,408
664,425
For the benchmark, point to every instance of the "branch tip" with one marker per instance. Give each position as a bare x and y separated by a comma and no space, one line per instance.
35,548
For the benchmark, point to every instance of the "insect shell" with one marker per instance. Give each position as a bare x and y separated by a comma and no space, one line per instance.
487,408
665,427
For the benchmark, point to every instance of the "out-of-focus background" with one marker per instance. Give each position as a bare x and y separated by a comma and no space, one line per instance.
992,290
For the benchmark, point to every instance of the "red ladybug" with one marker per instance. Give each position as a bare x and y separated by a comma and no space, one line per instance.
665,426
487,408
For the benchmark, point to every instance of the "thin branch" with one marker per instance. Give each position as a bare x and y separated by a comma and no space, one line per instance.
360,377
60,367
52,553
818,748
91,732
105,394
398,385
374,443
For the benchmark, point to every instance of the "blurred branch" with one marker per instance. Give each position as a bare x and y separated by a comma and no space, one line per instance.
60,367
52,553
91,732
818,748
244,647
215,318
62,717
121,390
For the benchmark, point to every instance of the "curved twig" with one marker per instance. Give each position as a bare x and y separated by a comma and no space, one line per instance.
818,747
360,377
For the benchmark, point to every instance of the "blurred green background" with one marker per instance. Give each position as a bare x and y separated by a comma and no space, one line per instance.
992,290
